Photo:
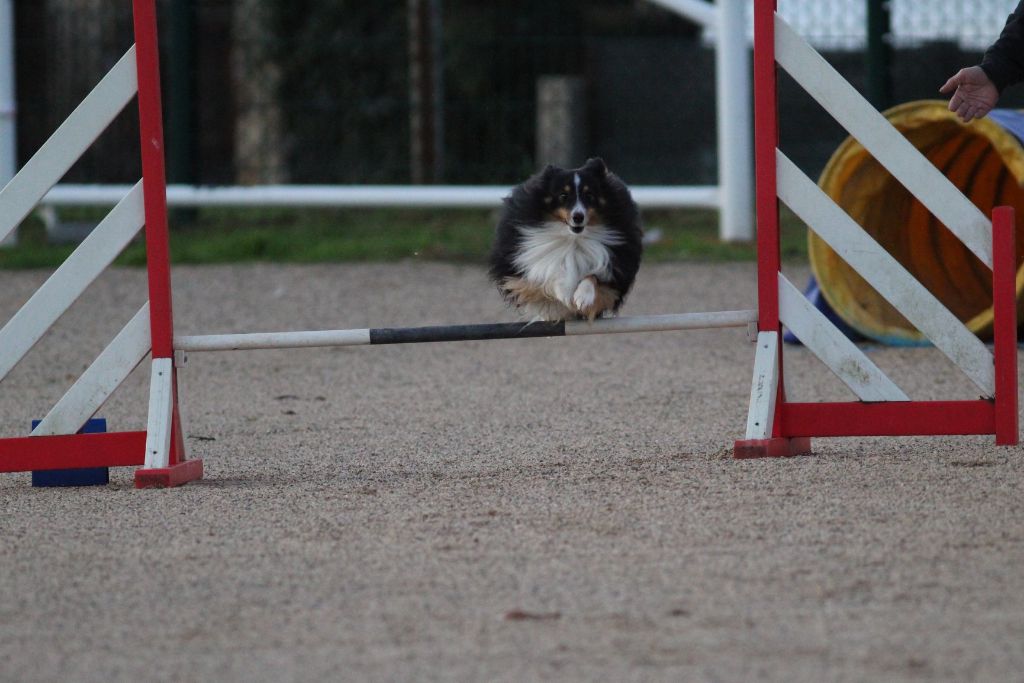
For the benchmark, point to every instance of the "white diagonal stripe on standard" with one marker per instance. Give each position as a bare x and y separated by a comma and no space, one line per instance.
833,348
887,275
883,141
68,143
100,380
67,283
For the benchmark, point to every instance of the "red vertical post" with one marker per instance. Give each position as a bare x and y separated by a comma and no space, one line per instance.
154,185
766,141
158,258
1004,310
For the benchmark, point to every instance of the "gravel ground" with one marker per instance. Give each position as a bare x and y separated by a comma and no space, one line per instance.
551,509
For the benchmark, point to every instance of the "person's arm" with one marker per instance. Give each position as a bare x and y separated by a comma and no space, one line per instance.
976,89
1004,61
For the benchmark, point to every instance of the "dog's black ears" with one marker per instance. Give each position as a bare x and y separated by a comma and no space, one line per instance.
596,165
544,175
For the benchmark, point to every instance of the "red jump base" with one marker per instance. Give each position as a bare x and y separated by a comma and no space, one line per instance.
782,447
166,477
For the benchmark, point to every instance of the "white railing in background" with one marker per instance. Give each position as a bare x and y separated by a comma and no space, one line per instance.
359,196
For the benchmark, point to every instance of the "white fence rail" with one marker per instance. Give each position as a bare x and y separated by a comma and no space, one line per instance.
360,196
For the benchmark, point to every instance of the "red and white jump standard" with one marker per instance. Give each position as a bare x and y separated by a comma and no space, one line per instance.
54,443
778,427
167,463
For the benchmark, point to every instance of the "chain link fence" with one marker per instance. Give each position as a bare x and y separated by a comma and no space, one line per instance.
310,91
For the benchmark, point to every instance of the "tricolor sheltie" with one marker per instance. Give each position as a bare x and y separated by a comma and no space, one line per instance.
568,244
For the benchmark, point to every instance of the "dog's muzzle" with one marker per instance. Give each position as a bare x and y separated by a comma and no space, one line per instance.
578,222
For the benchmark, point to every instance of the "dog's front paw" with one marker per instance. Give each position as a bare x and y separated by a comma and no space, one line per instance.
584,297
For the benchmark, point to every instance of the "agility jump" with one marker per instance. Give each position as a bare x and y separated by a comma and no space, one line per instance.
776,426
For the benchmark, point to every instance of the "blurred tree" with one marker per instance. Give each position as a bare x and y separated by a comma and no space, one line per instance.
256,86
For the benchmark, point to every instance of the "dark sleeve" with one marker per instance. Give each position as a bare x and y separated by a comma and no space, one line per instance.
1004,61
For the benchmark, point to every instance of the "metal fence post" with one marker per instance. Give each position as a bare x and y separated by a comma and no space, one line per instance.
878,56
735,137
8,130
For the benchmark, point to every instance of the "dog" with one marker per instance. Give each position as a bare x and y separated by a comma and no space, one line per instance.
568,244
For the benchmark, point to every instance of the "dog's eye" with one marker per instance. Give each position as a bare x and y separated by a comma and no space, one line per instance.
562,197
589,197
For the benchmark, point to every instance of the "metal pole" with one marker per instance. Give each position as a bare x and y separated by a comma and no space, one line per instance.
426,122
735,137
8,109
182,118
181,93
878,58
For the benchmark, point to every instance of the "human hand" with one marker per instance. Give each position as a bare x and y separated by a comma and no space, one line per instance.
974,94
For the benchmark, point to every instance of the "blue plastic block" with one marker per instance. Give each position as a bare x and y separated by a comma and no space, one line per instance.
85,476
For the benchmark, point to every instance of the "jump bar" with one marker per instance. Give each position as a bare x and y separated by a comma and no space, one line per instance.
478,332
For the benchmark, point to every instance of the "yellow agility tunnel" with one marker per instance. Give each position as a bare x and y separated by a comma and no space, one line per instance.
984,159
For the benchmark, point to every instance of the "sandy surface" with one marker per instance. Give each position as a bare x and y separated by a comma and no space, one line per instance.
558,509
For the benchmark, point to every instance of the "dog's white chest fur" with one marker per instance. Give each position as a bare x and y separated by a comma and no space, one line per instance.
552,256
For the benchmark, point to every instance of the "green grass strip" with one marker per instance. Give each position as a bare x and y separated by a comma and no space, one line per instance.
327,236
